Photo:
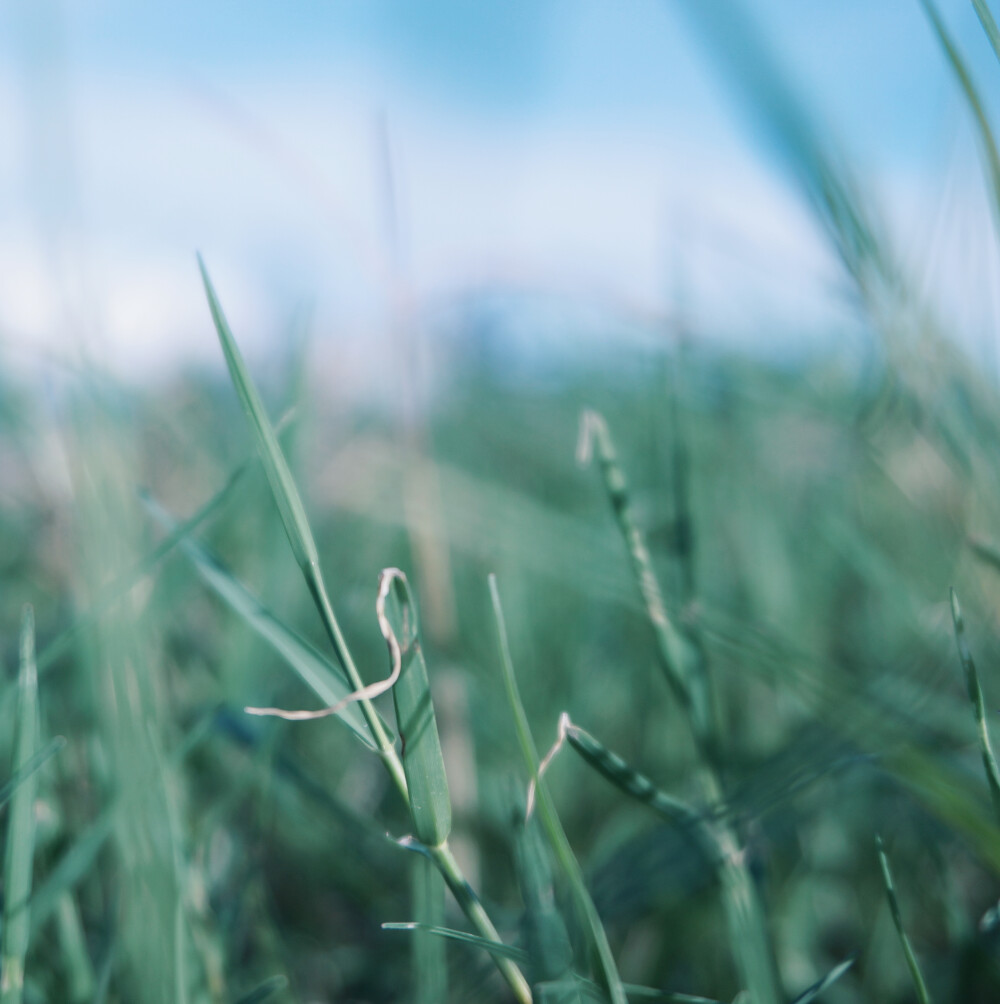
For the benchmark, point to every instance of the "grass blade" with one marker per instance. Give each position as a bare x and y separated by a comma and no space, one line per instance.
972,99
286,495
430,963
20,850
550,820
34,763
265,990
496,948
989,24
819,986
677,655
423,762
976,697
897,919
317,672
296,523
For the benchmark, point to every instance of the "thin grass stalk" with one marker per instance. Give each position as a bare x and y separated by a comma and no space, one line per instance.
684,667
897,918
989,24
978,704
547,812
20,850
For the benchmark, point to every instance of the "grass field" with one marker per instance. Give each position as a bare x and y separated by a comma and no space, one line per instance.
709,594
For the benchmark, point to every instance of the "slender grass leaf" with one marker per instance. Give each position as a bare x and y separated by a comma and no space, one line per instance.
423,762
636,992
19,852
495,948
819,986
550,819
979,709
989,24
283,487
35,763
267,989
316,671
972,99
430,966
897,919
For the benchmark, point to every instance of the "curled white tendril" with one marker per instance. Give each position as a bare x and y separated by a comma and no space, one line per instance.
385,580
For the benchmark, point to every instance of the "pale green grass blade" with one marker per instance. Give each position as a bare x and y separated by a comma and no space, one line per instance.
989,24
423,762
986,552
19,852
496,948
430,963
972,99
283,487
809,995
34,763
978,705
80,975
897,919
315,670
267,989
546,809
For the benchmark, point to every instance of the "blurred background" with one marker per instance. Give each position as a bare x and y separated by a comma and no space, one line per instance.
760,238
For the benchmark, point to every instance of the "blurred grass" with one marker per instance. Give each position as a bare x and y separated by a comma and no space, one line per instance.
804,522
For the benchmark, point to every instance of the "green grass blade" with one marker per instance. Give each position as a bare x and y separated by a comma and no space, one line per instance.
636,992
265,990
989,24
744,912
19,852
986,552
315,670
286,494
27,770
496,948
430,962
979,709
897,919
546,809
972,99
810,994
423,762
544,929
677,655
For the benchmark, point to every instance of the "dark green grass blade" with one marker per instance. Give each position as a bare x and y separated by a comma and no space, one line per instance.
316,671
640,993
978,706
19,852
267,989
286,494
819,986
496,948
972,99
897,919
423,762
989,24
550,820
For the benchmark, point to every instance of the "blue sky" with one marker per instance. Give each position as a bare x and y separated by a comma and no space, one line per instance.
582,146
